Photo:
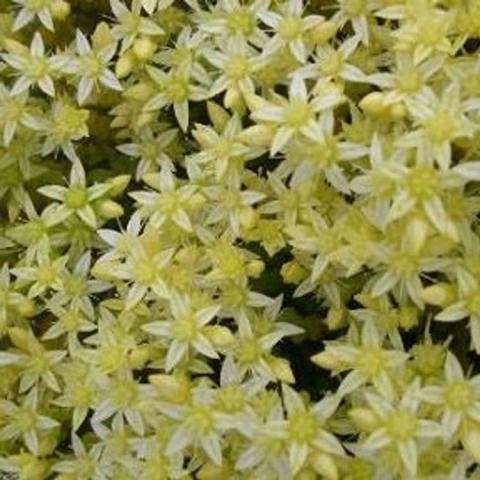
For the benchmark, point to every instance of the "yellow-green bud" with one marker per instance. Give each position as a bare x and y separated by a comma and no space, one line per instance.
293,272
125,64
26,308
118,185
364,419
219,336
60,9
323,32
196,201
326,360
103,270
441,294
325,465
471,441
257,136
138,357
248,217
255,268
336,318
282,370
210,471
108,208
19,337
417,233
144,48
171,388
218,115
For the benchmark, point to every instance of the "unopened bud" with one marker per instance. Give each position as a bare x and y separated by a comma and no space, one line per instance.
118,185
417,233
325,465
108,208
26,308
336,318
218,115
441,294
257,136
255,268
20,338
60,9
372,104
471,442
248,217
138,357
293,272
196,201
326,360
323,32
170,388
282,370
125,65
364,419
219,336
144,48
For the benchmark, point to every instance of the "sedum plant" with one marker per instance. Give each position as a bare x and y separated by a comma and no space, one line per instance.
239,239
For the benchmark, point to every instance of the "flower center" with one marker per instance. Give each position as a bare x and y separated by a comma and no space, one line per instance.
458,395
297,114
402,426
290,28
302,427
76,198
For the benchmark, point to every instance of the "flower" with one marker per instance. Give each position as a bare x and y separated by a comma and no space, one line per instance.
400,426
188,329
91,67
33,66
76,199
289,28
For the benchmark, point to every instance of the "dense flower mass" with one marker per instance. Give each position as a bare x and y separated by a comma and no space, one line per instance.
239,239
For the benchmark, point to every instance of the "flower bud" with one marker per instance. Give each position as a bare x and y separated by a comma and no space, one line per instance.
196,201
20,338
257,136
336,318
144,48
108,208
364,419
440,294
417,233
326,360
282,370
26,308
219,336
102,270
210,471
372,104
471,441
255,268
60,9
170,388
323,32
218,115
118,185
325,465
293,272
138,357
248,217
125,65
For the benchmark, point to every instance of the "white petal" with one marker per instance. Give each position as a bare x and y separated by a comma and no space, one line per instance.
408,454
211,446
175,353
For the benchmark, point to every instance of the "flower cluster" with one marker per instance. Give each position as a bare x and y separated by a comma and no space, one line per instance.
239,239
